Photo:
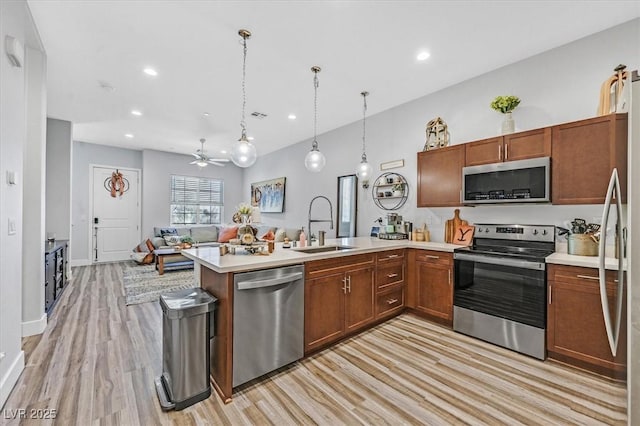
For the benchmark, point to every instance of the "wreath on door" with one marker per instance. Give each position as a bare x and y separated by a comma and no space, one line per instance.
117,184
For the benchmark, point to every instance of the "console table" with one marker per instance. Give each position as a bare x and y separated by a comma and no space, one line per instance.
55,272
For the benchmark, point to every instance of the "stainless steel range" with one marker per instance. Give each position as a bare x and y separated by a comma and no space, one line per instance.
500,290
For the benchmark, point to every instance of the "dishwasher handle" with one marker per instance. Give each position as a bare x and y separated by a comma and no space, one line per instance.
253,284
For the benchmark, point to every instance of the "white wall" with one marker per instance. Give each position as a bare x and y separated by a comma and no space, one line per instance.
34,319
157,168
15,114
85,154
59,146
557,86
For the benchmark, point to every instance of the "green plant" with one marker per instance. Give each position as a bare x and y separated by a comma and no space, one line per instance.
397,187
505,104
244,208
187,239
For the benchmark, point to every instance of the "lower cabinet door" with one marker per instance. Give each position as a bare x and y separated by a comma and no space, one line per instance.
360,298
434,290
323,310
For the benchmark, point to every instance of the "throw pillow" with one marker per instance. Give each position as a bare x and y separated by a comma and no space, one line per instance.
227,234
143,253
280,234
168,231
269,236
172,240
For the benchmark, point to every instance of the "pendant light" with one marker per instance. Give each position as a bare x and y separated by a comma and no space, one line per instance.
315,161
243,152
364,170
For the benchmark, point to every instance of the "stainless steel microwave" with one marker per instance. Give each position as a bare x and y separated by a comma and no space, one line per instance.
522,181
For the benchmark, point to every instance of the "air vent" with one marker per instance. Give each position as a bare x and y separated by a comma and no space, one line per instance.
258,115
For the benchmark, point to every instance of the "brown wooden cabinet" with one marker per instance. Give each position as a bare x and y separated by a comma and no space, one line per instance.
575,324
440,176
390,283
431,284
583,155
515,146
340,298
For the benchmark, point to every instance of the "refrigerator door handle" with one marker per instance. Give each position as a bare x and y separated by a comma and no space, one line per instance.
613,329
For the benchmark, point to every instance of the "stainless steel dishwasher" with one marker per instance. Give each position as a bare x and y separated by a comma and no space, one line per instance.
268,321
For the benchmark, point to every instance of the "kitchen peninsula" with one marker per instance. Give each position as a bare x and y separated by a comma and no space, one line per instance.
346,290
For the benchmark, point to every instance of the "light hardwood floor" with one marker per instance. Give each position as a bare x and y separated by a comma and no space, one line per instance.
96,362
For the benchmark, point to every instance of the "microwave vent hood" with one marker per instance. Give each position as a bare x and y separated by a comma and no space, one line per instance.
522,181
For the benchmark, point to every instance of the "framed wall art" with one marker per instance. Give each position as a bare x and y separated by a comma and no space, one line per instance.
268,195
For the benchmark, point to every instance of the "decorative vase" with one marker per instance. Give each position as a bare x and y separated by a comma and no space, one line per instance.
508,125
245,218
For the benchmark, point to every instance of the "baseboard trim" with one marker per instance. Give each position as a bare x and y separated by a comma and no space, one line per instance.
80,262
31,328
11,378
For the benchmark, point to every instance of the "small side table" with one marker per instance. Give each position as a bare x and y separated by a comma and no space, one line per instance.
160,254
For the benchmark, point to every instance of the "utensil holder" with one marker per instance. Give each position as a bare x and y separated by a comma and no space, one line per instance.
582,245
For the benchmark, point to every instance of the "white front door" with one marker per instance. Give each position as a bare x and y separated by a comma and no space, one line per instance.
116,213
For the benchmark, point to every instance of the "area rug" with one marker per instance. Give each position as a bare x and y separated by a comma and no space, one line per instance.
143,283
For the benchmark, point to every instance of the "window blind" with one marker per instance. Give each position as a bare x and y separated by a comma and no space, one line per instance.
196,200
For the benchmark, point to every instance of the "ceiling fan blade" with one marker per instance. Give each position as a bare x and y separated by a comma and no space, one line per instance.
197,155
194,162
219,160
215,163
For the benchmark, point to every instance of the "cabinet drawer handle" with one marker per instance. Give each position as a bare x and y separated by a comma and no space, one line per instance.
391,301
499,152
392,275
588,277
506,152
430,256
449,276
391,256
550,293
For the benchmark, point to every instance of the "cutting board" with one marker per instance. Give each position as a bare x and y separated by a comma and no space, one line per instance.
452,225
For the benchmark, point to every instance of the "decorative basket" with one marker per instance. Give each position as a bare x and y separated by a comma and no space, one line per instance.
582,245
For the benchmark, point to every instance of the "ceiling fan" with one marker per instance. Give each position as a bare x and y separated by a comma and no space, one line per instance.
202,160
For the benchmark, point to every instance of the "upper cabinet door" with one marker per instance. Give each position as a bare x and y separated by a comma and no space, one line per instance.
440,176
525,145
485,151
583,155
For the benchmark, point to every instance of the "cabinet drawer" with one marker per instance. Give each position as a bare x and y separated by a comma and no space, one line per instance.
389,274
578,275
334,265
437,257
390,301
390,255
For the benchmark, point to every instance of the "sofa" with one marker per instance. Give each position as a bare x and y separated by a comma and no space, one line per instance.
206,236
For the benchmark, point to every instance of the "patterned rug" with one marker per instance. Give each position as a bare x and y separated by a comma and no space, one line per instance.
143,284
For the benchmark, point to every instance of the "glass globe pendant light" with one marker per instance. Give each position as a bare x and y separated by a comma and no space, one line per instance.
243,152
364,170
315,161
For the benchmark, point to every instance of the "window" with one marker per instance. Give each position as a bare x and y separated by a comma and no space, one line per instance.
196,200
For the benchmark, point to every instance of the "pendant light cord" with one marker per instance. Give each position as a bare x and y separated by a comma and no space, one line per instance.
364,125
316,83
243,124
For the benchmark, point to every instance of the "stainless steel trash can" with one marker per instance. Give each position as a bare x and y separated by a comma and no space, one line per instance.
187,327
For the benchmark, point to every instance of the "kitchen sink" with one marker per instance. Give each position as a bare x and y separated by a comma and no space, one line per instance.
322,249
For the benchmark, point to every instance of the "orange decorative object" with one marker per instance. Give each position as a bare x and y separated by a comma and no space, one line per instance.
464,235
117,184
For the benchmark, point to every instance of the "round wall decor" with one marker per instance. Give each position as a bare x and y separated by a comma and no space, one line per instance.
390,191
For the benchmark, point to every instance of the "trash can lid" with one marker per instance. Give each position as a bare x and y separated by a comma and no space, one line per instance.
187,302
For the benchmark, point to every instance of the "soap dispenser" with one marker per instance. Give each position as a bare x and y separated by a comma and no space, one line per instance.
303,238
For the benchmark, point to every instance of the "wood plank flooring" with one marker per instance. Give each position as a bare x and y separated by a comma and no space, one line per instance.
96,362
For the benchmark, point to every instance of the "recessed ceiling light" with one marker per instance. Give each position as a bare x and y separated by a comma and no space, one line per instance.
136,112
128,135
292,117
205,114
224,151
250,138
151,72
423,56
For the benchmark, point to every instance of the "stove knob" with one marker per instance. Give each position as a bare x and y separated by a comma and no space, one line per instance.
480,230
544,232
486,229
535,232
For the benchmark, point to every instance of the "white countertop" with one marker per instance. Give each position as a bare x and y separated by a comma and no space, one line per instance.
210,256
583,261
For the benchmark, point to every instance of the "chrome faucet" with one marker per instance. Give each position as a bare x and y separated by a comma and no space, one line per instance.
330,220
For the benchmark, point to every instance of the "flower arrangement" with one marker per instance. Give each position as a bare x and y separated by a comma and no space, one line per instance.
505,104
244,208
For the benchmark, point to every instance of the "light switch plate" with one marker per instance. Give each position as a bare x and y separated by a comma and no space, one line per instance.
11,177
12,226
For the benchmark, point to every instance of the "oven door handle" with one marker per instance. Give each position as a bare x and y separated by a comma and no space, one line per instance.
525,264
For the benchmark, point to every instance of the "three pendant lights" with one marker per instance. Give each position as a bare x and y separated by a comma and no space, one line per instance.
243,152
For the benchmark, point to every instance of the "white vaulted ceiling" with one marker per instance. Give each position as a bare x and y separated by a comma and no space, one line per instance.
360,45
